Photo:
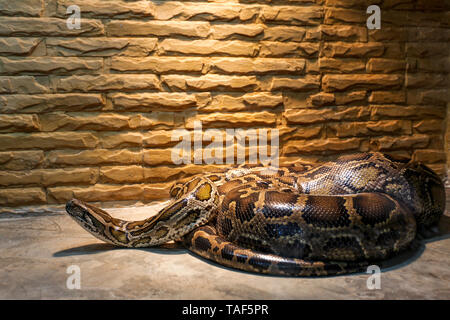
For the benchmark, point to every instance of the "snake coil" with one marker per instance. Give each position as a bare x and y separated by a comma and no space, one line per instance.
335,218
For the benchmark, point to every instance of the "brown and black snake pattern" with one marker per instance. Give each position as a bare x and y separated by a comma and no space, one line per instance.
335,218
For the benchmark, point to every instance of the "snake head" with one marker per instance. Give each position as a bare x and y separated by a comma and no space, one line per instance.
93,219
194,205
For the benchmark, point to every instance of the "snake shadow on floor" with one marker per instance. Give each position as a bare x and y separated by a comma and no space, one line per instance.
95,248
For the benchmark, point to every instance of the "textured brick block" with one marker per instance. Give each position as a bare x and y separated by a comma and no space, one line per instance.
18,46
321,146
291,33
257,66
429,156
345,82
24,84
424,34
402,142
353,50
21,123
158,138
408,112
332,65
225,120
49,177
388,33
229,32
46,141
363,4
343,33
289,49
120,140
21,196
210,82
158,64
380,65
52,27
21,160
426,50
304,132
32,8
306,83
119,82
209,47
102,122
352,97
344,16
370,128
99,192
257,101
396,4
120,28
101,47
430,125
21,103
205,11
122,174
156,191
291,15
427,80
384,97
428,96
322,99
159,101
45,65
104,9
433,65
155,157
93,157
306,116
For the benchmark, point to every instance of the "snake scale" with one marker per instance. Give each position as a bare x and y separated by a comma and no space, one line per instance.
335,218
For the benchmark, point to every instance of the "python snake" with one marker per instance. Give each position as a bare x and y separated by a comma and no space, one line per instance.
334,218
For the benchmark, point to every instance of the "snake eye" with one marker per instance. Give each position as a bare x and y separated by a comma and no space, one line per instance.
74,208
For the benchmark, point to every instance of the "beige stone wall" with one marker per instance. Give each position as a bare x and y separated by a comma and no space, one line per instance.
89,112
447,145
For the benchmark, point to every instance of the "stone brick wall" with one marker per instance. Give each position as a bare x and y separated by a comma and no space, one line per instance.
89,112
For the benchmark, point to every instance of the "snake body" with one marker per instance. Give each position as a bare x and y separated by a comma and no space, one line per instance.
335,218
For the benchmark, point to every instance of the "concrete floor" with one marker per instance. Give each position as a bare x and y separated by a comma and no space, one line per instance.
37,249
